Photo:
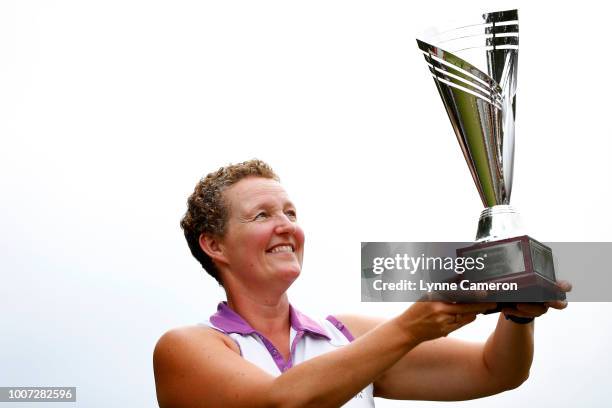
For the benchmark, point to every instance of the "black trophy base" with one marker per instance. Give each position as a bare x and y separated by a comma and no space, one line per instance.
522,267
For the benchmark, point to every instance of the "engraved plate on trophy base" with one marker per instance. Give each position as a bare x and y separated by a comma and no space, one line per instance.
521,260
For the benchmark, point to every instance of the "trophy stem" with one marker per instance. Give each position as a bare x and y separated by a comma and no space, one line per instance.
498,222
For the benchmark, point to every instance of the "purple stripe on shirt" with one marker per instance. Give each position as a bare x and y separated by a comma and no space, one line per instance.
338,324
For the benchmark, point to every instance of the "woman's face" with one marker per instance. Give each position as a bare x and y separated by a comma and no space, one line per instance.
263,243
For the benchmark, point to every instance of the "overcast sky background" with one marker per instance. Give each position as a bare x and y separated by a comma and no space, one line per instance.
111,111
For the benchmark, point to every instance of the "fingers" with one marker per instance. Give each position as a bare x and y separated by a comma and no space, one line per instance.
460,315
455,322
557,304
463,319
532,309
463,296
515,312
469,307
564,286
460,321
526,310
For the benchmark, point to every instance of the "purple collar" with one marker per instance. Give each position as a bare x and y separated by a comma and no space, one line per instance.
231,322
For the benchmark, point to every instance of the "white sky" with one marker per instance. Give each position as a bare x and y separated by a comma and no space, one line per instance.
111,111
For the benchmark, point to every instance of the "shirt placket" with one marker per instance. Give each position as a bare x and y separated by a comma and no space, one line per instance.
296,340
276,355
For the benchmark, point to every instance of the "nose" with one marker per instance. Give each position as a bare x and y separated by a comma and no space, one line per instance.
284,225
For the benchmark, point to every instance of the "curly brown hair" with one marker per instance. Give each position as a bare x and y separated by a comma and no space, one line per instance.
207,212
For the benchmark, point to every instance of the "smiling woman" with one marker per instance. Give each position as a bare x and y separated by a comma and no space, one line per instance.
257,350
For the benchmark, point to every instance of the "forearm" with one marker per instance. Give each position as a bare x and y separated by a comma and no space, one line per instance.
334,378
508,352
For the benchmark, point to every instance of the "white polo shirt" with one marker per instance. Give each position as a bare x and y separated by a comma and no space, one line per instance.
308,339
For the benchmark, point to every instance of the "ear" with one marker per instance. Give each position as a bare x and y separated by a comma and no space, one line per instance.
213,248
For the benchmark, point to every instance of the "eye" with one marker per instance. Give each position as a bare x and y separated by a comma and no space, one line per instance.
262,215
292,214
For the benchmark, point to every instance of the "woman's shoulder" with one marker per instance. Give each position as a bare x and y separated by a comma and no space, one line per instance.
185,339
196,363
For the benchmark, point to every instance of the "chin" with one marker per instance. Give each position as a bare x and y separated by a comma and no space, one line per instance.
290,275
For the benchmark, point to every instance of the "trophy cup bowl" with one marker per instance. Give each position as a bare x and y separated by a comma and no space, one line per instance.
481,107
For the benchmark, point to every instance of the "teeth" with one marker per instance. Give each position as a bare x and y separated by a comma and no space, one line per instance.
281,248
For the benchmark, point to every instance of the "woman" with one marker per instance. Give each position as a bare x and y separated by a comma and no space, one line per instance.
259,351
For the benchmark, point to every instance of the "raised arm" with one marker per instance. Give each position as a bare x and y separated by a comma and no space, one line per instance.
447,369
198,367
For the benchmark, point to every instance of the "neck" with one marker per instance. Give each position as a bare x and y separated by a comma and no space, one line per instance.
266,314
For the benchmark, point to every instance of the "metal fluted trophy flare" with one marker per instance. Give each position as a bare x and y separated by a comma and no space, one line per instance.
482,109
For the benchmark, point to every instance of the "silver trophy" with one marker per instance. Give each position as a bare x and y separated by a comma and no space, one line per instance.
481,107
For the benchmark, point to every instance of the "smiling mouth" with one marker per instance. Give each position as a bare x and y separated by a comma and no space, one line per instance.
281,249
